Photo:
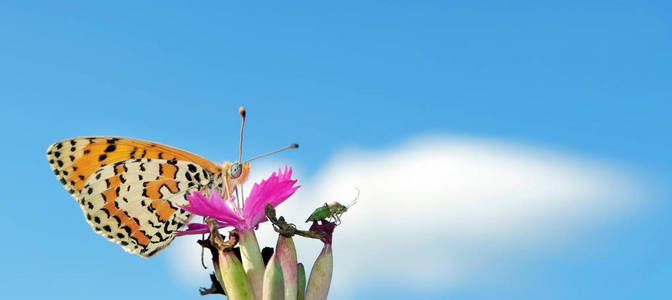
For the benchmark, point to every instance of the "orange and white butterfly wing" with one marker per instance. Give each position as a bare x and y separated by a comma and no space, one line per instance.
130,190
136,203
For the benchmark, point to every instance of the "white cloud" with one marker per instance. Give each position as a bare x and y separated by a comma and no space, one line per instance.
443,209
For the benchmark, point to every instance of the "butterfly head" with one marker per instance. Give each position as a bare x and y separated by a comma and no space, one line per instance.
237,171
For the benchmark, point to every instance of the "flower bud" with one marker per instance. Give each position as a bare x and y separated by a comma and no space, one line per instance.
301,278
233,277
320,275
286,254
253,263
274,288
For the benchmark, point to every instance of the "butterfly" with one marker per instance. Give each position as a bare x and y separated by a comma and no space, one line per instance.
131,191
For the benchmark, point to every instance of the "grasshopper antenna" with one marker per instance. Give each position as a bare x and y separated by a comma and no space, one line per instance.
354,201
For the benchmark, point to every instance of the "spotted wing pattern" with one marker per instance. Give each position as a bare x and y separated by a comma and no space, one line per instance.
130,190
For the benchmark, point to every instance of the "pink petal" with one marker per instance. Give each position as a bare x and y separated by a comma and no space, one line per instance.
274,190
215,207
197,228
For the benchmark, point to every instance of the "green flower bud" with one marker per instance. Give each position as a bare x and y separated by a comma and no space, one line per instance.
286,254
274,288
233,277
253,263
320,275
301,278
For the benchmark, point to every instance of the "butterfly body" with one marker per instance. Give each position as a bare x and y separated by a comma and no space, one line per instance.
131,190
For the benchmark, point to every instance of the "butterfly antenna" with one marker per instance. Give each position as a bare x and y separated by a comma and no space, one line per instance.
354,201
292,146
241,111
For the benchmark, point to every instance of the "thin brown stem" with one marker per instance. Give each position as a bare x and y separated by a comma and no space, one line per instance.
287,229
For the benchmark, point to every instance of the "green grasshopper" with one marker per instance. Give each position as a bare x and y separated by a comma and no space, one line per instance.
332,210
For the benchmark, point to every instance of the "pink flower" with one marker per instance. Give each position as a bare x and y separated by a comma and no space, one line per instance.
274,190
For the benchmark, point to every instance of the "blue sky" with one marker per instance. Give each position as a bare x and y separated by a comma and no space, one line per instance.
585,80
